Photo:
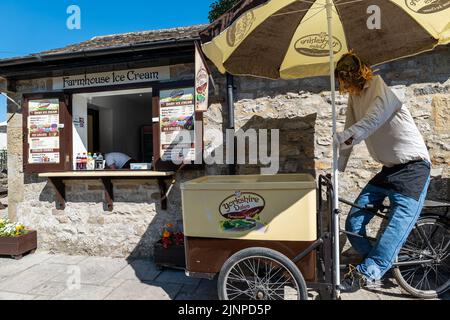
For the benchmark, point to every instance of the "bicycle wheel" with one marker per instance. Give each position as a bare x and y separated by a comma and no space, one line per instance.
261,274
431,278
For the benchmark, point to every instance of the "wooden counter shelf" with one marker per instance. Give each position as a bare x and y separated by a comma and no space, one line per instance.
105,176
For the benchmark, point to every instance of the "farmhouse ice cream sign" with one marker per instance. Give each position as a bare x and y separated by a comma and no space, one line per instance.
112,78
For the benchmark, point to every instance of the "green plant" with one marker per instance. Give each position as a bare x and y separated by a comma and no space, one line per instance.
11,229
219,7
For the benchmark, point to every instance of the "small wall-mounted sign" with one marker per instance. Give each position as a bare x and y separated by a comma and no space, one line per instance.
78,121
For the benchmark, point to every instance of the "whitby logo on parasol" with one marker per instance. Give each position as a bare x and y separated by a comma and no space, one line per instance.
316,45
242,205
427,6
239,30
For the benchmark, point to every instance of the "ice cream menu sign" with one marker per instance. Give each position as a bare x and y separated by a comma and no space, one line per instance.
177,125
43,134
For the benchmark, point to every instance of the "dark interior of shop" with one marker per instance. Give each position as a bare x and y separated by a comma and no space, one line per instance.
121,123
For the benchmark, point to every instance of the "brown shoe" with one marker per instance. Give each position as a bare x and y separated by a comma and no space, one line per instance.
353,281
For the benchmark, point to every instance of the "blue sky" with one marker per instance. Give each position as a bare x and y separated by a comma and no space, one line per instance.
31,26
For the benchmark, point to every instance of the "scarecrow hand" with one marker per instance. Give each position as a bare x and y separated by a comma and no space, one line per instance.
343,140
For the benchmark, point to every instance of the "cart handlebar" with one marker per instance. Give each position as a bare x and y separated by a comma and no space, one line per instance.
325,181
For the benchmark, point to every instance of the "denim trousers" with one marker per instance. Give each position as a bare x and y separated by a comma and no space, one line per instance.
404,212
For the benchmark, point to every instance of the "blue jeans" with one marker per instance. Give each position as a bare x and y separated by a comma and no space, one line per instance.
403,215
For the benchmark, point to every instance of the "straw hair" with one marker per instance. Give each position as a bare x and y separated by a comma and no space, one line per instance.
355,85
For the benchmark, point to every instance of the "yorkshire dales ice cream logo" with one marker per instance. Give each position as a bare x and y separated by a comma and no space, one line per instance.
316,45
239,30
241,211
427,6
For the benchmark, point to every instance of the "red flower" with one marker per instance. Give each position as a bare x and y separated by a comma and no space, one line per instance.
169,238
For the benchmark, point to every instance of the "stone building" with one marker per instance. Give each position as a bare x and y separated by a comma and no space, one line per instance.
77,216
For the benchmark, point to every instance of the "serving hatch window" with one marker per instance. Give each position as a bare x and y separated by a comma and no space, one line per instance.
113,122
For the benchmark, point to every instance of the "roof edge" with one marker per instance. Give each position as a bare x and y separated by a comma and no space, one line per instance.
36,58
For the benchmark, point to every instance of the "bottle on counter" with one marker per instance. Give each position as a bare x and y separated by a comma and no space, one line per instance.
99,162
84,161
90,160
94,161
78,162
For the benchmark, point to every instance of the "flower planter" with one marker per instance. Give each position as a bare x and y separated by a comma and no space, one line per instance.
16,247
170,257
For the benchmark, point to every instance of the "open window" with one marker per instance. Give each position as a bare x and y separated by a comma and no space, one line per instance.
113,122
47,130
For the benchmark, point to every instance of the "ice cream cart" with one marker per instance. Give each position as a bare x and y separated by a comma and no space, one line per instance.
271,237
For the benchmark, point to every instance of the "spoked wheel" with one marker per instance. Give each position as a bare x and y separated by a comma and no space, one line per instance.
428,242
261,274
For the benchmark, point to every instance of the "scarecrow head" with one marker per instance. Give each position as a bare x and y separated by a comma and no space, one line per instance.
352,74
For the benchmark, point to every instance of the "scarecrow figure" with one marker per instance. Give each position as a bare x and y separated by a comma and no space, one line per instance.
378,117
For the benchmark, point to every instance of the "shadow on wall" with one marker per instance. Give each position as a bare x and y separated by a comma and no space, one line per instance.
296,143
439,189
94,192
423,68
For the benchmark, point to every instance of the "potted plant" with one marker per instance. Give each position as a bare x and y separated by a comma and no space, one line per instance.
16,239
169,250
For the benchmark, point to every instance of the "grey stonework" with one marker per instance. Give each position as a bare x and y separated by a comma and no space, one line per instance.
300,109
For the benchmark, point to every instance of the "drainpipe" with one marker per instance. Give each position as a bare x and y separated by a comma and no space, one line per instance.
230,105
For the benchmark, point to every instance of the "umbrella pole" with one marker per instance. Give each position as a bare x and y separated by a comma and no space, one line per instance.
336,227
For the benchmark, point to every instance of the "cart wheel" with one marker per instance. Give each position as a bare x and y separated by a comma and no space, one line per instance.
429,279
261,274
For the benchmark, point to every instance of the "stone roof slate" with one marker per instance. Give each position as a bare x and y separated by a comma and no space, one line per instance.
130,38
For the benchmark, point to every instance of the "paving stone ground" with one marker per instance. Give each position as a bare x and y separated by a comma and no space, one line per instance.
46,276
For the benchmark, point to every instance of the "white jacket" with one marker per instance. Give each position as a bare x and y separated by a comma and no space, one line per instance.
379,117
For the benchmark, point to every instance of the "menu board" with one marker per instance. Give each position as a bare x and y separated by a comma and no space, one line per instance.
177,125
43,134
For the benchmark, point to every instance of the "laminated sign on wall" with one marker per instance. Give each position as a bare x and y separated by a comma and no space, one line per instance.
177,125
201,81
43,133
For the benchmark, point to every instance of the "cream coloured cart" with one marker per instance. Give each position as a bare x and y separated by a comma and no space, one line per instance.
271,237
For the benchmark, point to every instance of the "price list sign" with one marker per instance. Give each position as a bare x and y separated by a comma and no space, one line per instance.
177,125
43,134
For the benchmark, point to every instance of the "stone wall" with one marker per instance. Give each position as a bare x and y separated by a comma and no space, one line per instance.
301,109
85,226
